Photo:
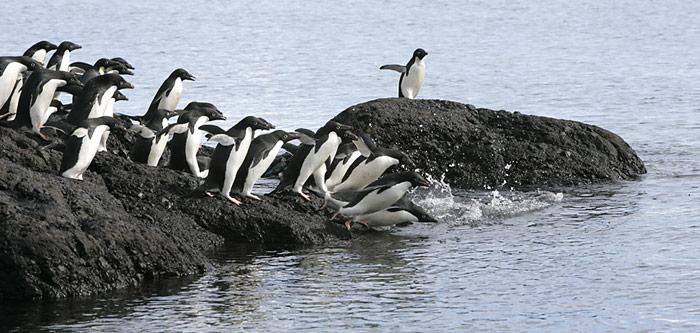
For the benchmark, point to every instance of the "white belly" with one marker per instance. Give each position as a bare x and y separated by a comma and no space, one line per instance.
157,148
39,55
14,100
314,159
38,112
256,172
169,102
65,61
374,202
411,84
8,79
102,102
340,170
385,218
365,173
194,140
88,149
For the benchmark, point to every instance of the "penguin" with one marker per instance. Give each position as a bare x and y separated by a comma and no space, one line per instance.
412,74
309,159
94,97
149,148
229,154
82,144
169,93
100,67
39,50
60,60
261,154
35,100
379,195
187,137
402,211
11,69
344,158
123,62
366,169
109,112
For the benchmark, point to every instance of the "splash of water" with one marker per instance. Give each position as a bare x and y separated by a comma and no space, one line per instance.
473,208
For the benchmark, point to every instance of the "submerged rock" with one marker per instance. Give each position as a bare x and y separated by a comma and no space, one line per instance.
124,223
480,148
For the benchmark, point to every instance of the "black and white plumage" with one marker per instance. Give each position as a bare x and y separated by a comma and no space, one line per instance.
412,74
261,154
379,195
81,145
230,153
310,157
169,93
39,50
11,69
187,136
369,167
100,67
60,60
402,211
94,97
35,100
109,112
150,141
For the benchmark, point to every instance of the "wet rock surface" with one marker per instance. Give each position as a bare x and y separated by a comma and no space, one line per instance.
479,148
125,223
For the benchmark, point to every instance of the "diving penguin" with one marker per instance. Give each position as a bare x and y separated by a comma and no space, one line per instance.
230,154
187,137
82,144
412,74
309,158
169,94
60,60
261,154
402,211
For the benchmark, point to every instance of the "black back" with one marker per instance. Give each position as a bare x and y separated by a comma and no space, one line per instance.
83,102
164,90
32,88
57,57
42,45
260,149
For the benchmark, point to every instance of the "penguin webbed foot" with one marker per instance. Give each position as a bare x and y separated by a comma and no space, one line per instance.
253,196
232,200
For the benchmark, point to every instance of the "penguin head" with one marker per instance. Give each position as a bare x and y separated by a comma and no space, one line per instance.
284,136
123,62
73,84
205,109
414,178
183,74
117,80
401,156
255,123
69,46
42,45
419,213
343,131
419,53
118,96
30,63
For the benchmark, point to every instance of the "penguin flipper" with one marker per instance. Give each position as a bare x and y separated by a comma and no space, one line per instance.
394,67
364,144
306,136
223,139
174,128
61,126
212,129
290,147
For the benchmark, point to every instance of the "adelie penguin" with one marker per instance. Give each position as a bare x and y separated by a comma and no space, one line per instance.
11,69
39,50
369,167
35,100
309,158
403,211
60,60
261,154
82,143
150,141
412,74
379,195
92,101
230,154
187,136
109,112
100,67
169,94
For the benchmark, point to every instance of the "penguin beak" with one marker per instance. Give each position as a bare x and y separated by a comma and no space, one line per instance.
266,125
75,47
351,135
423,182
189,77
126,85
293,135
51,47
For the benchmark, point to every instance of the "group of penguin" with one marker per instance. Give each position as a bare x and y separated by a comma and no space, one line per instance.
337,162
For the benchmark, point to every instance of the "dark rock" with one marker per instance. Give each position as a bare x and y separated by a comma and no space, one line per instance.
125,223
479,148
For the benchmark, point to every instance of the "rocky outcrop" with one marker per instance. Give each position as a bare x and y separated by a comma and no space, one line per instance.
480,148
124,223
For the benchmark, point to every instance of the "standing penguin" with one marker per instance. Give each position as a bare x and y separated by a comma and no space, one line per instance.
39,50
150,142
11,69
309,158
230,153
109,112
187,137
93,99
366,169
261,153
35,100
60,60
380,195
82,144
169,94
412,74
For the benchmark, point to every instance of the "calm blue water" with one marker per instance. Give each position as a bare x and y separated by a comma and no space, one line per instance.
618,257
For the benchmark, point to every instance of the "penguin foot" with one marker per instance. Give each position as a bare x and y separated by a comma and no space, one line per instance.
209,194
253,196
334,216
233,200
348,224
305,196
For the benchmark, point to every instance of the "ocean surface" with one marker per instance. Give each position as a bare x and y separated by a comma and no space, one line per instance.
612,257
